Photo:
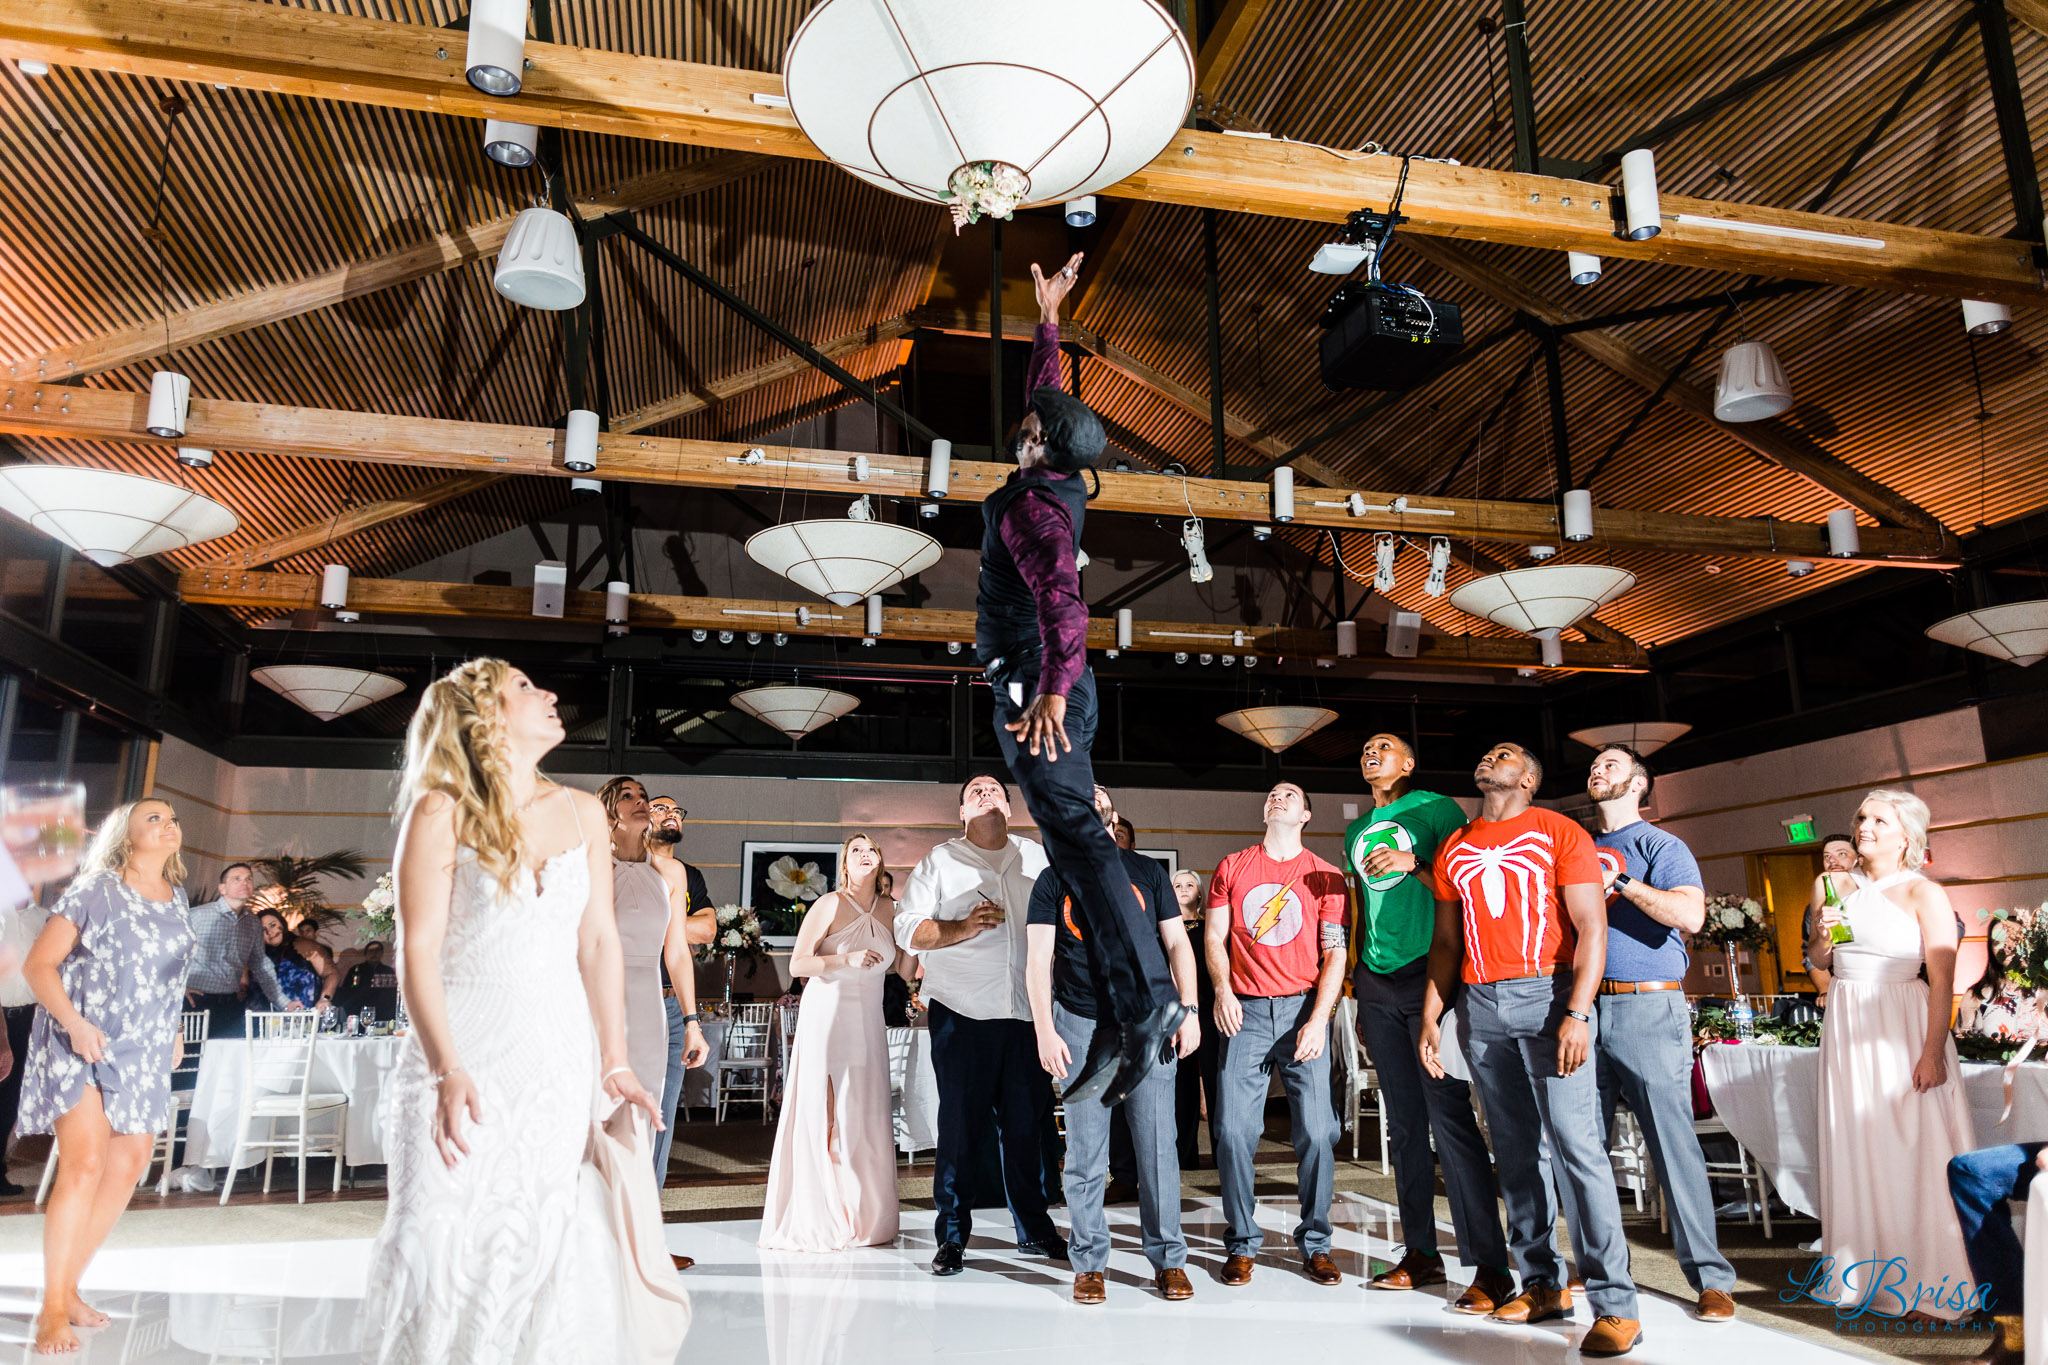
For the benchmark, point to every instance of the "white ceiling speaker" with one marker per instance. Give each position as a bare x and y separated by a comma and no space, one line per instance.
1277,727
1547,597
990,105
327,692
794,710
109,517
1981,319
2016,632
511,144
1646,737
497,46
1639,194
1582,267
170,404
843,560
541,264
1752,386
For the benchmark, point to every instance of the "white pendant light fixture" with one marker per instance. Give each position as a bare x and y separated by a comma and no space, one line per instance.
541,264
1752,385
327,692
2016,632
843,560
792,709
1981,319
109,517
511,144
1582,267
497,46
1646,737
170,404
988,106
1547,597
1277,727
1640,200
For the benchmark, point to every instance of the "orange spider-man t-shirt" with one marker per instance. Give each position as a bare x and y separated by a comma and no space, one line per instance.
1505,875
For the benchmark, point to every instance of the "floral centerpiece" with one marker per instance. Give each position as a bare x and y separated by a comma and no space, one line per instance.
991,187
738,936
2019,941
379,911
1733,923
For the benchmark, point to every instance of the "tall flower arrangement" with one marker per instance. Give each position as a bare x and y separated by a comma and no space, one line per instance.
738,936
379,910
2019,940
1734,921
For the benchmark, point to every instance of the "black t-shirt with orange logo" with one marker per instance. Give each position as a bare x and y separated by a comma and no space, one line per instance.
1073,982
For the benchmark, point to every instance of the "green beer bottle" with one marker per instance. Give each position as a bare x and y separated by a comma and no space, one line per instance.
1837,933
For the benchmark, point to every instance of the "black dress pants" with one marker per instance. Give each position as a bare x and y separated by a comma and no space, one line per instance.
988,1067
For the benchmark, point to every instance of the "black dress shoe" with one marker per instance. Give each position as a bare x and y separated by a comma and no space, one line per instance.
8,1189
1141,1044
949,1260
1098,1069
1052,1248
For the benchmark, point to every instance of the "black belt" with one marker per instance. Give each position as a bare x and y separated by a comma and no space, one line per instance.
13,1010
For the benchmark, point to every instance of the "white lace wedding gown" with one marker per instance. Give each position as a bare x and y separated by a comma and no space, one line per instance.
505,1259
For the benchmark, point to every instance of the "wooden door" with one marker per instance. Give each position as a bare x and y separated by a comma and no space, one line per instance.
1783,881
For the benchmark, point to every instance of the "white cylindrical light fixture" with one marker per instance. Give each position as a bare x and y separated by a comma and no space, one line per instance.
511,144
333,586
194,457
873,624
1981,319
1553,648
939,472
1283,493
497,46
1639,194
1844,539
1582,266
616,595
1578,514
170,403
1081,212
583,490
1347,639
579,451
28,66
1123,627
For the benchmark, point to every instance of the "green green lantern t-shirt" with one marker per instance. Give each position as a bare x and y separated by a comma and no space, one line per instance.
1398,911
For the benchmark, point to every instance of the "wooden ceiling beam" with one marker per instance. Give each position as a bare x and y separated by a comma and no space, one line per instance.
283,593
314,534
439,252
1773,443
67,413
322,55
2032,13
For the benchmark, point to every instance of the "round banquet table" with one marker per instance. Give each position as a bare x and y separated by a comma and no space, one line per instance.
355,1067
1770,1099
912,1081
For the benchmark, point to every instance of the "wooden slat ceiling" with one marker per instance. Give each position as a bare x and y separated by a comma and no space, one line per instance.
265,190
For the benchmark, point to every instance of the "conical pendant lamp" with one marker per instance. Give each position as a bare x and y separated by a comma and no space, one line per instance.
324,691
1646,737
841,559
2016,632
1547,597
1277,727
793,709
110,517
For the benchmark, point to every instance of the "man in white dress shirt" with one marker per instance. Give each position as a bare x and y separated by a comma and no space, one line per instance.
962,910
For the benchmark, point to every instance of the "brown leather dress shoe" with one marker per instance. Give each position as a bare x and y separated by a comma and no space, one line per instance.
1237,1270
1088,1287
1321,1269
1714,1306
1489,1290
683,1262
1413,1271
1538,1302
1173,1284
1611,1336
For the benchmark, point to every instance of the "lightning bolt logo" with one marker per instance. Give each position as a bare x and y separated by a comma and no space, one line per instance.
1270,915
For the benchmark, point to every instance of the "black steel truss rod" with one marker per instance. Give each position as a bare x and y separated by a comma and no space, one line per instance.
1650,403
1514,26
1219,441
1891,115
633,233
1493,415
1560,437
1748,85
1680,307
2011,107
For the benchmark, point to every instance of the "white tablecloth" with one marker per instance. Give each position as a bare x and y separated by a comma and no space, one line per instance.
911,1079
1770,1099
355,1067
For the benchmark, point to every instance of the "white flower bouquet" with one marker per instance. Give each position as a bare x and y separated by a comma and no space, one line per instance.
994,188
379,910
1735,920
738,936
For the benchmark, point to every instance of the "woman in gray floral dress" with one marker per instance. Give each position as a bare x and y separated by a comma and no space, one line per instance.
109,972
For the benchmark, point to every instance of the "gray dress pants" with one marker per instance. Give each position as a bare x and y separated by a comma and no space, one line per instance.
1266,1044
1149,1111
1509,1030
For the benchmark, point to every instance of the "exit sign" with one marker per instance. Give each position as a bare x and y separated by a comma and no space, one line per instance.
1799,830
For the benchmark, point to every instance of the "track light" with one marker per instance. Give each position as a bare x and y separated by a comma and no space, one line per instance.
1539,553
1439,566
516,145
698,637
497,46
583,490
550,588
1081,212
753,637
1250,660
939,471
780,638
1583,267
725,637
194,457
1578,514
1799,568
1283,493
1355,504
1205,659
1981,319
1227,660
927,510
170,404
1198,557
617,596
1347,639
1639,194
1180,656
579,450
1844,539
952,646
1383,551
1262,532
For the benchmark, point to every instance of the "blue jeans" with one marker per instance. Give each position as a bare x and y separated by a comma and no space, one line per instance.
671,1089
1250,1056
1980,1182
1149,1111
1645,1062
1509,1030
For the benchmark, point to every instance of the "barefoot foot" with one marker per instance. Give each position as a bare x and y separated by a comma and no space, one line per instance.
83,1314
53,1333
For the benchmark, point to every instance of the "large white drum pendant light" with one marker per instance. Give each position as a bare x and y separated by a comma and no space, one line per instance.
541,264
327,692
110,517
1033,104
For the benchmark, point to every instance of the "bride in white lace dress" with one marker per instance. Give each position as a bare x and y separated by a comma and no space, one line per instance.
495,1250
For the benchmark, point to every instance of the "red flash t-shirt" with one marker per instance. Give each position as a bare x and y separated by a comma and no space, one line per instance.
1505,875
1277,911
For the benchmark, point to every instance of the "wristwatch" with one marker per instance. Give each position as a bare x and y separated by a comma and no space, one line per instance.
1579,1015
1622,879
696,1018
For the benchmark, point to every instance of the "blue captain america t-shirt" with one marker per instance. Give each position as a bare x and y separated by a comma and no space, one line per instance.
1638,947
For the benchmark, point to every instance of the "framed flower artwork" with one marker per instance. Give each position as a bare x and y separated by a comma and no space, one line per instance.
780,881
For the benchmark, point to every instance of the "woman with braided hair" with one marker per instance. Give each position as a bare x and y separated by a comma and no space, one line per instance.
497,1246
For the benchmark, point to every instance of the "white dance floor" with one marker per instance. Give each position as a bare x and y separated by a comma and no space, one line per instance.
297,1301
